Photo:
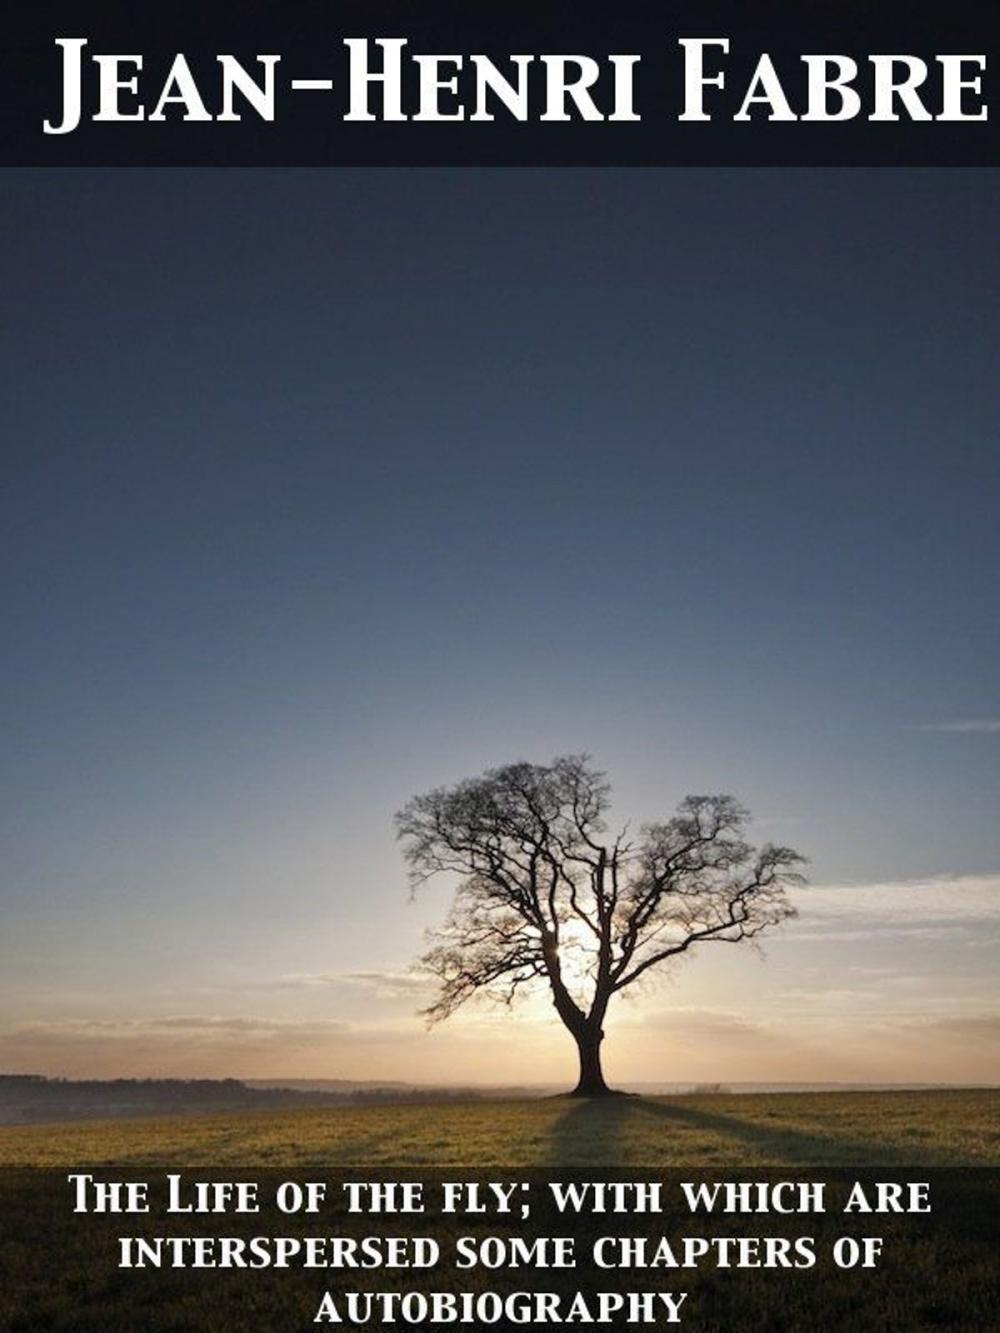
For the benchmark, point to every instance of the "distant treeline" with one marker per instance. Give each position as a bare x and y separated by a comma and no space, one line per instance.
34,1099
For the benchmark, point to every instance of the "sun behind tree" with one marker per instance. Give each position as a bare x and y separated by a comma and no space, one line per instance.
545,897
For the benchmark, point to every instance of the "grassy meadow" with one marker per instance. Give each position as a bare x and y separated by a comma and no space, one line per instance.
851,1129
938,1272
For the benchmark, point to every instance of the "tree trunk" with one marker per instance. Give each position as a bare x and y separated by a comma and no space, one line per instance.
591,1082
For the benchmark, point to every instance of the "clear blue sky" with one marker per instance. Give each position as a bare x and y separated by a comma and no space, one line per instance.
325,487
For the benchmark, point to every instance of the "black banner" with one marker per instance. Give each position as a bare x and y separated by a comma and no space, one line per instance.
447,82
325,1254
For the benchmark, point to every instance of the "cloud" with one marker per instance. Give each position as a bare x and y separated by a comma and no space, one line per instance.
206,1046
185,1029
986,726
703,1024
392,985
384,983
969,1027
831,995
933,907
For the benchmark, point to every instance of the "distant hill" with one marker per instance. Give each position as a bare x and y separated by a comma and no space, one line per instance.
35,1099
326,1084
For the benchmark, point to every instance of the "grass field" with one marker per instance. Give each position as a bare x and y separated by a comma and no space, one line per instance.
938,1271
851,1129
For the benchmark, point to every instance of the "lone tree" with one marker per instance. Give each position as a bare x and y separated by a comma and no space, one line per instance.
545,896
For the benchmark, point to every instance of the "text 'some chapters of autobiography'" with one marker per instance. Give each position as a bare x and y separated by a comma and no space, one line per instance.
502,1256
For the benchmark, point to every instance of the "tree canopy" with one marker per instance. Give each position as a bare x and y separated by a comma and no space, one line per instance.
546,895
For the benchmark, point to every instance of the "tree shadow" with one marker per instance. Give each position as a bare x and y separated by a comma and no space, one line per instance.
590,1132
595,1133
782,1142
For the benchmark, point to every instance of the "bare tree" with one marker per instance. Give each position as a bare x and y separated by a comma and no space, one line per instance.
545,896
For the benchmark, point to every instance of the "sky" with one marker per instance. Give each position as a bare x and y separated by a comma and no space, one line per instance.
323,488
